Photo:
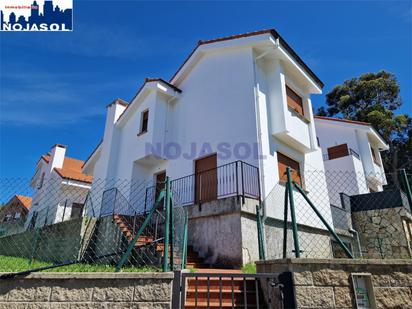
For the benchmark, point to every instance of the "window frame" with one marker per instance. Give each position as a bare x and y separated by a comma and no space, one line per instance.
299,171
375,156
292,107
144,123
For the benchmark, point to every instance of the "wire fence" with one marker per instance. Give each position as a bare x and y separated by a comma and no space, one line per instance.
337,214
118,224
110,224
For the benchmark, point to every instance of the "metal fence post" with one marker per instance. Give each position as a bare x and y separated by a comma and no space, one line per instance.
34,248
292,213
342,245
237,181
243,182
185,235
167,227
260,234
114,202
406,186
172,228
285,224
64,209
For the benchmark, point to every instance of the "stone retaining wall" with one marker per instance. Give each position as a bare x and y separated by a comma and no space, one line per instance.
326,283
382,233
87,290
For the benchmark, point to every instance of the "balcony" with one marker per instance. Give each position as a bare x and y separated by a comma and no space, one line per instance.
295,132
340,151
237,178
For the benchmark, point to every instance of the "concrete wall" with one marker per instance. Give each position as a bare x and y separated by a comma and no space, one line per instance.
88,290
215,231
55,243
313,242
224,232
327,283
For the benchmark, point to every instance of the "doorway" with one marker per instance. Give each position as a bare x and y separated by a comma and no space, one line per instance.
206,179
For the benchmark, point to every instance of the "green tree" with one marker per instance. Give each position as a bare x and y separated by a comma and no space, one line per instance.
374,98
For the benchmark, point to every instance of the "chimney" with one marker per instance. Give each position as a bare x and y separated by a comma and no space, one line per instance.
114,111
57,154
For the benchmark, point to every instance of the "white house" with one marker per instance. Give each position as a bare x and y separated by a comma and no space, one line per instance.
351,153
60,188
235,114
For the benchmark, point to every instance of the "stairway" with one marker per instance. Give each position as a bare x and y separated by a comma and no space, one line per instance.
194,260
232,293
128,225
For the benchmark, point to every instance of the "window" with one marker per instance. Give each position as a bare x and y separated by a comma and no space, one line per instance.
338,151
294,101
41,181
77,210
375,157
283,163
145,121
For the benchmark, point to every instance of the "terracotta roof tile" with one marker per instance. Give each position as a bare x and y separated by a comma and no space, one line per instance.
25,200
72,169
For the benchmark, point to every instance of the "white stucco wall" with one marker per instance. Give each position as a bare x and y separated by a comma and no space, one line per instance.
368,173
226,98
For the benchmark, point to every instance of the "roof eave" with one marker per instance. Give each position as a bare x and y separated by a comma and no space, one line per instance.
150,84
263,34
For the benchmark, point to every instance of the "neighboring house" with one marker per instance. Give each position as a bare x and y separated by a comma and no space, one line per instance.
13,214
60,188
235,114
351,154
373,222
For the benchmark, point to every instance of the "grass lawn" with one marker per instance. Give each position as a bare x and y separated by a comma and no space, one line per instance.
249,268
16,264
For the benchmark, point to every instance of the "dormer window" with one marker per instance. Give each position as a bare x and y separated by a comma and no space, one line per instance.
294,101
144,122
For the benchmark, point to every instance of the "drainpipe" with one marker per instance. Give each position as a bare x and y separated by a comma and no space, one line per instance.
352,231
259,129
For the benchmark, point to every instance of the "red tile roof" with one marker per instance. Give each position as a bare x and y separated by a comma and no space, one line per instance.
24,200
72,169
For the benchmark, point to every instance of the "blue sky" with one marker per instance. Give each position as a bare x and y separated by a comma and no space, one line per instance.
55,86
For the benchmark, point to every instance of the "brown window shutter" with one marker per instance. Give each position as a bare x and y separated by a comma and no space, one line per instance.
283,163
338,151
294,101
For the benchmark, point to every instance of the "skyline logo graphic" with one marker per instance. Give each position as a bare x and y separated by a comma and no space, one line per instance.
36,15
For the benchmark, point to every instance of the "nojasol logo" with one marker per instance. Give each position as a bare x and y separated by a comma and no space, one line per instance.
37,15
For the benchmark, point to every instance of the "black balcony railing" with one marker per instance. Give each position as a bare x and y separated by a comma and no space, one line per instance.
233,179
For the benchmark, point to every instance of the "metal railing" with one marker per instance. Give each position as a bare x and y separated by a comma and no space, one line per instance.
233,179
263,290
351,152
